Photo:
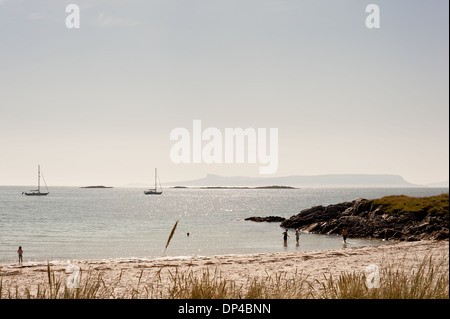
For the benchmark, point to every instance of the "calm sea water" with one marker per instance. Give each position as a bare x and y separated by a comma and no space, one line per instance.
75,223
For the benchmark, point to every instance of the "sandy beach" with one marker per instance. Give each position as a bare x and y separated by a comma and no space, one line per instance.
124,275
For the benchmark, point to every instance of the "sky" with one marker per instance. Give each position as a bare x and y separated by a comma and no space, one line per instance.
96,105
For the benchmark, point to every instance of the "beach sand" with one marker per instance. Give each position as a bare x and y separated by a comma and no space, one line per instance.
124,275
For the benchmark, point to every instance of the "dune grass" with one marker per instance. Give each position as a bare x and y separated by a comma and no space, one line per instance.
428,279
172,232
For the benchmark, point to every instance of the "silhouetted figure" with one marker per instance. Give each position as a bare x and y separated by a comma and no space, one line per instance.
285,235
20,252
297,235
344,234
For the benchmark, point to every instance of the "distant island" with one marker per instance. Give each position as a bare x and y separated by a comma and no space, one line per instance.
97,186
331,180
239,187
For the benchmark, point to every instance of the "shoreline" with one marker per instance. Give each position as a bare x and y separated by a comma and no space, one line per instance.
93,260
126,274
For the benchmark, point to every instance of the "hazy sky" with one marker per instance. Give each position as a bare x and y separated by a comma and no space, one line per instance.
96,105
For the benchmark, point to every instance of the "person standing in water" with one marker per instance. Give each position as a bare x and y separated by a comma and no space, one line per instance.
20,252
285,235
344,234
297,235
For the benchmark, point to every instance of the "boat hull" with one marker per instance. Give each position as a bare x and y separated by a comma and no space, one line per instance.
35,194
152,193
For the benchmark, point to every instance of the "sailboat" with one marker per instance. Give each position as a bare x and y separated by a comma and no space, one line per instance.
37,192
154,191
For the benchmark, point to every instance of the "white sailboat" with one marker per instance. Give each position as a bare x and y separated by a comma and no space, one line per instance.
154,191
37,192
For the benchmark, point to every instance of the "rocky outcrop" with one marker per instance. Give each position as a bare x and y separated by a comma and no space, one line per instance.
269,219
362,218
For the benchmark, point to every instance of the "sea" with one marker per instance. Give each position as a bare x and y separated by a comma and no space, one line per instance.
73,223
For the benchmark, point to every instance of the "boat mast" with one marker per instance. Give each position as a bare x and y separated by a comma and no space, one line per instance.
155,179
39,178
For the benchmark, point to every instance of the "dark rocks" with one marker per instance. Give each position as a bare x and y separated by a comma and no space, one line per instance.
442,234
316,214
269,219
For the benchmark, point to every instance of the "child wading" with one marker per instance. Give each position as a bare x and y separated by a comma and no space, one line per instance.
285,235
20,252
297,235
344,234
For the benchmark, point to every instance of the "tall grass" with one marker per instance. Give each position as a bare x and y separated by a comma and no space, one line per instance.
170,236
429,279
211,285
